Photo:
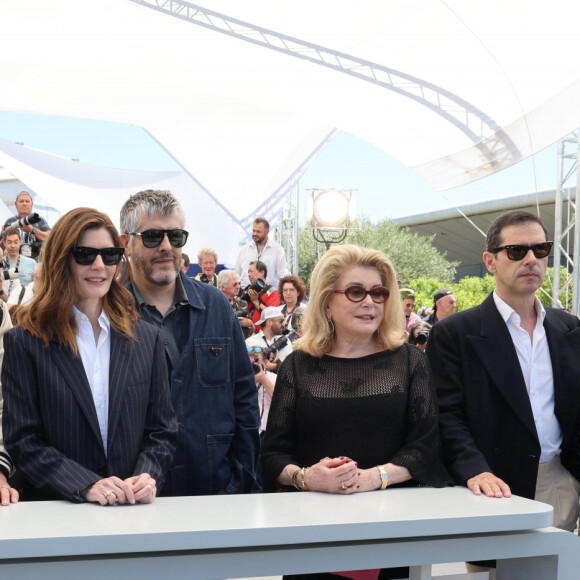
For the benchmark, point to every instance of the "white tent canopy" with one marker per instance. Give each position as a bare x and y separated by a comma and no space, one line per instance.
456,90
66,184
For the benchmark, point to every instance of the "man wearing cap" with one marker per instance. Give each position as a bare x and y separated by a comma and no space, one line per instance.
272,323
408,302
444,306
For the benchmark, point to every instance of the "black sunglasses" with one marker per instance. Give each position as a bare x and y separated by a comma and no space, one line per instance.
152,238
85,256
378,294
517,252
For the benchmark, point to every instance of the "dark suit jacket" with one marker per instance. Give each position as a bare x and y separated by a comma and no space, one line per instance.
485,412
50,423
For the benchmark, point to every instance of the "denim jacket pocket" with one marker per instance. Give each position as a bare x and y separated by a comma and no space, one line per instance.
213,356
218,448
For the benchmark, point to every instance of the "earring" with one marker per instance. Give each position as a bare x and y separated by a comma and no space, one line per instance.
331,326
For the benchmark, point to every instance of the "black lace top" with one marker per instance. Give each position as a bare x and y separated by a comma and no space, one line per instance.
376,409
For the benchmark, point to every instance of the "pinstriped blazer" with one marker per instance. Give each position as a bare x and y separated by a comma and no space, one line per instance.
50,423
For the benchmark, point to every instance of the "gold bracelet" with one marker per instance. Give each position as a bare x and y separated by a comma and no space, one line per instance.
294,479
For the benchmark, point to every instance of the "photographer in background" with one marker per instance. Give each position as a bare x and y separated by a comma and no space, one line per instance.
272,338
419,334
31,234
11,285
265,383
228,282
23,265
207,260
259,294
408,303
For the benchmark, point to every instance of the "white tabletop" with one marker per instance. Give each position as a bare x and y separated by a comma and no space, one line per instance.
187,523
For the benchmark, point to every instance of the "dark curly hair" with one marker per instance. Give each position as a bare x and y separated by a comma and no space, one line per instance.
297,282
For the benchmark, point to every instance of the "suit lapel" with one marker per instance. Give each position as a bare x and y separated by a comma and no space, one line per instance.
73,372
498,355
119,369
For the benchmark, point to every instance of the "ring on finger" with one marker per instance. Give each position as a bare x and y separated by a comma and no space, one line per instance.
151,483
342,486
108,493
5,487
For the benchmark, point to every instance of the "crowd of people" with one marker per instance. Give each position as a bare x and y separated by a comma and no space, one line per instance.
125,379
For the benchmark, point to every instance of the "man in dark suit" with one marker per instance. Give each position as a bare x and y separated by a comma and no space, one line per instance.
507,380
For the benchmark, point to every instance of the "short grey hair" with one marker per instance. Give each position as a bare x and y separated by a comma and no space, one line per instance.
23,192
224,277
151,203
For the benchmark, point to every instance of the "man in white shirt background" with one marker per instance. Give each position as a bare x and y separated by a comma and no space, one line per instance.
264,249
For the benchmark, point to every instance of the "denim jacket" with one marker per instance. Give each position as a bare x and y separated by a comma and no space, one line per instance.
214,397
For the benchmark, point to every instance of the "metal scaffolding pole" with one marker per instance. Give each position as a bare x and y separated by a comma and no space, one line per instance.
566,224
287,230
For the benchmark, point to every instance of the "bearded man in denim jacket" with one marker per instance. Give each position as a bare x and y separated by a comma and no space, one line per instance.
212,384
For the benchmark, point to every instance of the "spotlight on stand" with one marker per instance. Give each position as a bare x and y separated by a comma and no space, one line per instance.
331,213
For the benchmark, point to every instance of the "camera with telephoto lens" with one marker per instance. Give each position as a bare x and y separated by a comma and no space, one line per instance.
241,312
7,272
421,337
257,368
258,285
278,344
29,220
204,278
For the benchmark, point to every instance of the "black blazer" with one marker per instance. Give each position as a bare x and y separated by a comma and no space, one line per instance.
50,423
485,412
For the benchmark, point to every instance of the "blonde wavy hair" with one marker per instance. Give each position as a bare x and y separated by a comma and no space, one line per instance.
318,330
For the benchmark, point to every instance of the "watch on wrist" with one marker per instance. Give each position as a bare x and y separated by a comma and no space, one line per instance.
384,476
34,229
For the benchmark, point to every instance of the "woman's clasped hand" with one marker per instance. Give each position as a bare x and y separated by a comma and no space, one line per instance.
343,475
113,490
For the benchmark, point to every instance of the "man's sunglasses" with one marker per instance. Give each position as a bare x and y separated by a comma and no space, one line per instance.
517,252
378,294
85,256
152,238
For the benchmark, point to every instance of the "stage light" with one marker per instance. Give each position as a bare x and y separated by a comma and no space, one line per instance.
331,213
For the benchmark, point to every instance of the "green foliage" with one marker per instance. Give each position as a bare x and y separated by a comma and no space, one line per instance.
412,255
469,291
545,296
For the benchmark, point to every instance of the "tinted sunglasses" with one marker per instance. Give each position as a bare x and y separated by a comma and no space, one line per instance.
255,349
517,252
152,238
85,256
378,294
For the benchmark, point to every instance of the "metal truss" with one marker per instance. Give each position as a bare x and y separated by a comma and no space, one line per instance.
479,127
274,204
567,226
287,230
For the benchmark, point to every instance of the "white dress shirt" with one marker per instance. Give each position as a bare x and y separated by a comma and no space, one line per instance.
536,365
96,360
272,255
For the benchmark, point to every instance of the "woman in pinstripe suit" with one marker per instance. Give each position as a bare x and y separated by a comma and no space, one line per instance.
87,411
